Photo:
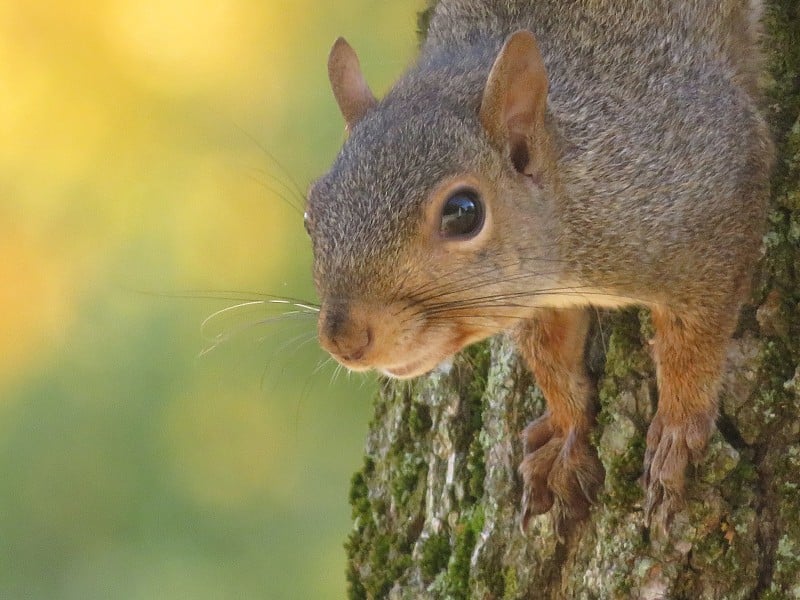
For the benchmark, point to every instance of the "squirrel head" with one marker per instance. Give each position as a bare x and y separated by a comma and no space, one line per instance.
427,228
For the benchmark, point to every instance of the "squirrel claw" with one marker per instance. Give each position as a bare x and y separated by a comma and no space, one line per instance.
561,474
661,505
669,449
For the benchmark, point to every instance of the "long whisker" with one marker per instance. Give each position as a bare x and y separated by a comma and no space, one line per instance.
228,309
292,313
233,295
366,378
475,281
321,364
290,189
277,192
283,170
282,348
458,291
229,334
523,257
305,336
336,372
484,301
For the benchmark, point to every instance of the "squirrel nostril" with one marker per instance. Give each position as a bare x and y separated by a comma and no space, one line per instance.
359,348
357,355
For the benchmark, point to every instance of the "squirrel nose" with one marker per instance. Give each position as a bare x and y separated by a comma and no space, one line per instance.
342,335
354,347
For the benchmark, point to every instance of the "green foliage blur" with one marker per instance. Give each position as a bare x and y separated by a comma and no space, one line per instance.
136,179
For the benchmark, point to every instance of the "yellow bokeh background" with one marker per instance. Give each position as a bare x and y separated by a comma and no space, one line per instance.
153,153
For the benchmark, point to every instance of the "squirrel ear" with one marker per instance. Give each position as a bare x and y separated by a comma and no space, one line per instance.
349,86
515,97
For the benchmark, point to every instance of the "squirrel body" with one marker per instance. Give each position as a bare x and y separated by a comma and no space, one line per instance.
541,157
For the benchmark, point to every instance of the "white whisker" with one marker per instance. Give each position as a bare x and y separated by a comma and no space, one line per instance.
225,310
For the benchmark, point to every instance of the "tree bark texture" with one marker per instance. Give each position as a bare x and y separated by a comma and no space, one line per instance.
436,505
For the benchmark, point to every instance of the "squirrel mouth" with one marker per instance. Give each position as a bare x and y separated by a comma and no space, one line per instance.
421,366
405,372
432,360
413,368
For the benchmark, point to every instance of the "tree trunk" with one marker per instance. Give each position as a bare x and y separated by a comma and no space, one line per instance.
436,506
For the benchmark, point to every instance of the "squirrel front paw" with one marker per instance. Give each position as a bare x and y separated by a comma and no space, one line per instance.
670,446
561,473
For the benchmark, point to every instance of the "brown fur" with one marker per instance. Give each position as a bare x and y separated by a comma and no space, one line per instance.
620,155
559,466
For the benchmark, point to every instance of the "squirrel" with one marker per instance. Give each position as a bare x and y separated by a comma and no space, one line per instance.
539,158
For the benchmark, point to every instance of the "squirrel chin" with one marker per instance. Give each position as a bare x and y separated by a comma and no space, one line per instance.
417,368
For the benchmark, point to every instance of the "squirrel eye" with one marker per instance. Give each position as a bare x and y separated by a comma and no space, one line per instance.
462,215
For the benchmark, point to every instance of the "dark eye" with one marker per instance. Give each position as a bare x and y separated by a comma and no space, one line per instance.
462,215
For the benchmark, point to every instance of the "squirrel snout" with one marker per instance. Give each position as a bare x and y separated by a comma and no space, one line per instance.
345,337
354,348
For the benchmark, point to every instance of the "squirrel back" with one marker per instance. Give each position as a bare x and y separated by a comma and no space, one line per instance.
724,29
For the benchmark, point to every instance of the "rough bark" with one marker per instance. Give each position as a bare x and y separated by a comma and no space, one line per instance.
436,503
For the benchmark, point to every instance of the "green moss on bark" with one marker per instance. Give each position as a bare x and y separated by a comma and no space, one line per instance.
436,552
459,568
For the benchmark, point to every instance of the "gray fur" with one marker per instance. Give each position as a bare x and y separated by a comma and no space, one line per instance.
645,182
662,156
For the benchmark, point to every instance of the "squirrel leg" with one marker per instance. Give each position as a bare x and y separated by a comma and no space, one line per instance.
689,356
560,468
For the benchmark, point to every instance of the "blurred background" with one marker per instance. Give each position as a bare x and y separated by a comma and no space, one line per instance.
136,181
